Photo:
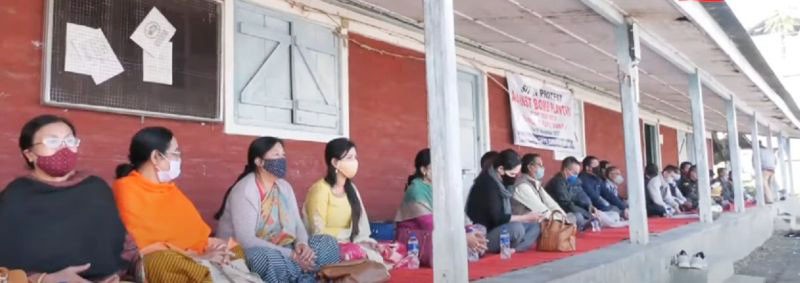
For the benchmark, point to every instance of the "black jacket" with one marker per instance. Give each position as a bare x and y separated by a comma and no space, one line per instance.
485,203
571,198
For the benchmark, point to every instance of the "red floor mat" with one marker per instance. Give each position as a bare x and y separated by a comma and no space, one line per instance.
493,266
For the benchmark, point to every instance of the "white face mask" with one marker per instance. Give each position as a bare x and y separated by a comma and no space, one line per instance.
619,179
172,174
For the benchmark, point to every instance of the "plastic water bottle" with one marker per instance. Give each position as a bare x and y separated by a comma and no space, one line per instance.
413,251
505,244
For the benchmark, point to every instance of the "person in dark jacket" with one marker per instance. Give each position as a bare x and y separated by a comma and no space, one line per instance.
565,188
489,204
614,179
592,184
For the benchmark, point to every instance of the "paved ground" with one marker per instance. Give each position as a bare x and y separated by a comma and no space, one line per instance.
778,260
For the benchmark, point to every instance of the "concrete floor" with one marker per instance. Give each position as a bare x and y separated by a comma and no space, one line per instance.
778,260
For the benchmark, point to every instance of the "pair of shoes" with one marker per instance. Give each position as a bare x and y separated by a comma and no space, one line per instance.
698,261
792,234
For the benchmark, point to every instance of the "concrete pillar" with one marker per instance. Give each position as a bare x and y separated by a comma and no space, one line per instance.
782,162
627,43
757,162
700,147
449,241
790,166
771,150
735,154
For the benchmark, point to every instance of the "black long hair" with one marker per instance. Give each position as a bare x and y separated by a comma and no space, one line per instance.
337,149
423,159
257,149
34,125
143,143
508,159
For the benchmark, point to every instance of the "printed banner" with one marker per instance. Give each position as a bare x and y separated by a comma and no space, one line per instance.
543,116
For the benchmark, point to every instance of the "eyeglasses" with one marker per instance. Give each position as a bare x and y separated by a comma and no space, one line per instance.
56,143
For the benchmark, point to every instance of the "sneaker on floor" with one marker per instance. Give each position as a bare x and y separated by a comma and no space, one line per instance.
683,260
699,261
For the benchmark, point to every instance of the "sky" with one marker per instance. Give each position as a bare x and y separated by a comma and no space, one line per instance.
783,55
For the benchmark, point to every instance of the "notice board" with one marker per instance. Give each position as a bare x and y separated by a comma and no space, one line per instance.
92,62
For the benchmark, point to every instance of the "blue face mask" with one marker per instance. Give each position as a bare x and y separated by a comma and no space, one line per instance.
276,167
539,173
572,180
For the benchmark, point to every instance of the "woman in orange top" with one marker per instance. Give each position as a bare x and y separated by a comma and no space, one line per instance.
159,217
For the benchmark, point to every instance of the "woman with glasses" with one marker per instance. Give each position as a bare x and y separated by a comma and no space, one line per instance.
57,223
165,225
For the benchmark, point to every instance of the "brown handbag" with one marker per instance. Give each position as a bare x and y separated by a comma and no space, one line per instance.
558,235
359,271
12,276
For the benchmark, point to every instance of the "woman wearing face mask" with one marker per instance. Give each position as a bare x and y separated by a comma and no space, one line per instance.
613,180
260,212
333,205
489,204
416,211
158,216
58,224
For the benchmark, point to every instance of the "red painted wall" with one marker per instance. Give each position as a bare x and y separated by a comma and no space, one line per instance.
387,122
605,137
387,115
669,149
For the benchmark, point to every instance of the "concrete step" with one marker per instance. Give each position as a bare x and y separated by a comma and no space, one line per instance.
738,278
717,272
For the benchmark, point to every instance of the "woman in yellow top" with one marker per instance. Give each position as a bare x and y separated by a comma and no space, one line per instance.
159,217
333,205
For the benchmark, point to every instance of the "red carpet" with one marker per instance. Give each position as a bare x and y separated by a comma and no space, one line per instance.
493,266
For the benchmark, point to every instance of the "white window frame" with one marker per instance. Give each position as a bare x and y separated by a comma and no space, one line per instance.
230,125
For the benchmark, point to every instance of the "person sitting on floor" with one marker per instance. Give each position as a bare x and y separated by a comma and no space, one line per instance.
529,194
488,159
725,197
416,210
159,217
260,212
489,204
684,171
593,185
565,188
614,179
674,191
333,205
654,196
603,168
58,224
689,188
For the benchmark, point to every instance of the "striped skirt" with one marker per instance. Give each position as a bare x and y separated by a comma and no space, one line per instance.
175,267
275,267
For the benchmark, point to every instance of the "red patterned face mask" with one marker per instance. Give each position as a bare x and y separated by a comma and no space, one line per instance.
59,164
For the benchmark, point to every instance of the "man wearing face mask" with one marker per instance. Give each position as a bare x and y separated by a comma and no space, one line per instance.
565,188
529,194
489,204
592,184
611,190
674,187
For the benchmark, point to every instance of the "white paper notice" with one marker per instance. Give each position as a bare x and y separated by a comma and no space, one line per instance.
88,52
153,32
158,68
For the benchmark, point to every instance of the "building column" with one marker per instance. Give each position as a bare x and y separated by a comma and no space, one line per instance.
790,166
757,162
771,151
700,146
782,163
735,155
449,241
627,59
